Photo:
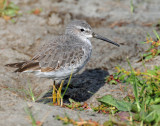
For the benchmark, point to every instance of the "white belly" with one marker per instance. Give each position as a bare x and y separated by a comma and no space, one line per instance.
57,74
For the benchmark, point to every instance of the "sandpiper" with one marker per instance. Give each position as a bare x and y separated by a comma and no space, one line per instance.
62,56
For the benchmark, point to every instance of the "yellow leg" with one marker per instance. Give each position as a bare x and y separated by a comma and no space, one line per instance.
59,97
54,93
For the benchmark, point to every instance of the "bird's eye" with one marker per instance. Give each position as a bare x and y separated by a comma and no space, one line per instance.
82,29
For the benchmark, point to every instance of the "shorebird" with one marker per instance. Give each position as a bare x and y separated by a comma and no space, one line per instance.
62,56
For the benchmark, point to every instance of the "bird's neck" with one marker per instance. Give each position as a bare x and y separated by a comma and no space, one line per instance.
85,40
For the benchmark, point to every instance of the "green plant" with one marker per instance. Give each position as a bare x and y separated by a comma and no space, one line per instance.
146,89
8,9
32,118
153,51
67,85
29,92
145,104
30,114
131,6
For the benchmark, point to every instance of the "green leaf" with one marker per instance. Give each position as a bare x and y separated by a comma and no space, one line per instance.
113,82
156,34
131,6
120,105
142,42
135,86
13,6
71,101
122,77
154,114
147,54
148,57
157,67
152,72
10,12
155,107
158,51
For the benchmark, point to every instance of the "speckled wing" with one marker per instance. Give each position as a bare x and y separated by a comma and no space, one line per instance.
63,51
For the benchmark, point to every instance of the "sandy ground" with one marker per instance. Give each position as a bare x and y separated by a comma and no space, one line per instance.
19,41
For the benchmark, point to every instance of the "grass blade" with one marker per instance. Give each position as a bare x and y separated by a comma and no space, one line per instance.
29,113
156,34
67,85
135,89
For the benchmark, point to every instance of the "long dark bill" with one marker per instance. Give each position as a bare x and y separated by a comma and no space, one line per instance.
104,39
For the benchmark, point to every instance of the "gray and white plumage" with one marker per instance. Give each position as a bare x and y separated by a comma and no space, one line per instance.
64,54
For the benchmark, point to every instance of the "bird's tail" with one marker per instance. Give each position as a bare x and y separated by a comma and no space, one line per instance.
23,66
15,65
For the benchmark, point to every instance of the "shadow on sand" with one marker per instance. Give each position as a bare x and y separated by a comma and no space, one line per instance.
82,86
